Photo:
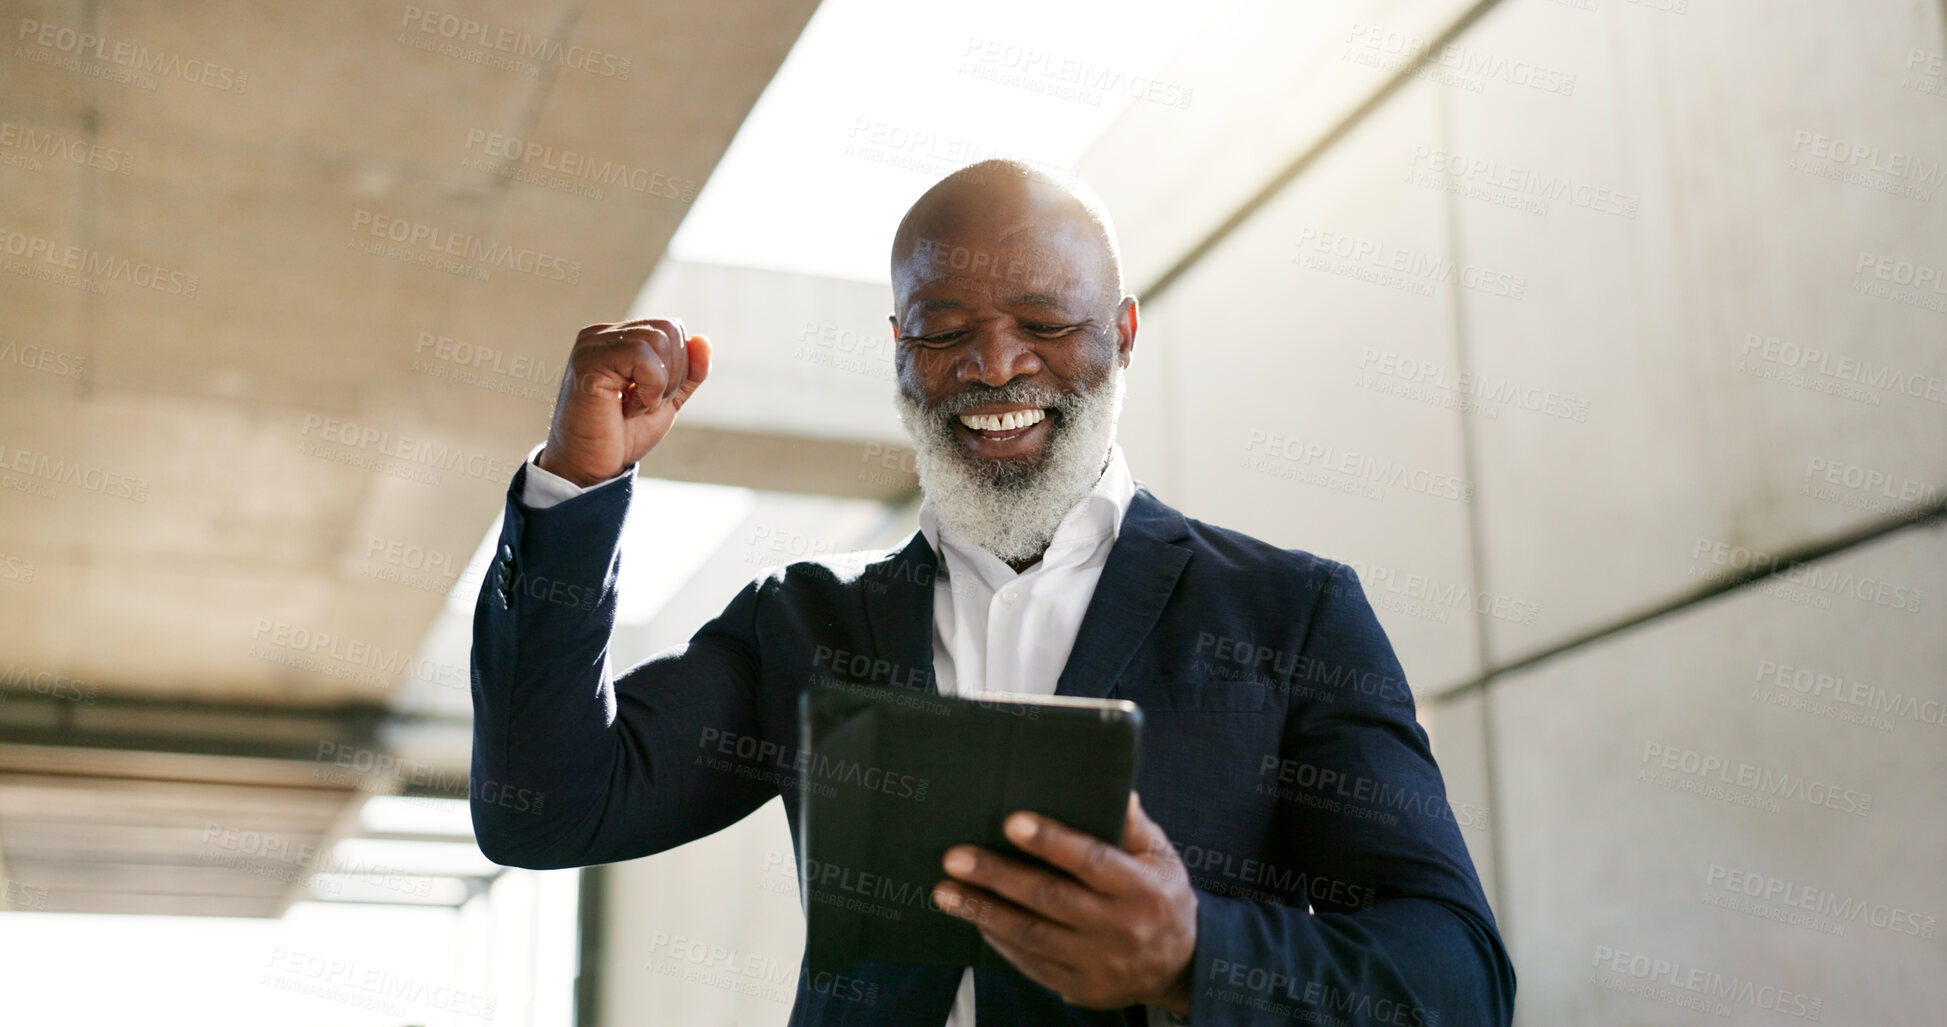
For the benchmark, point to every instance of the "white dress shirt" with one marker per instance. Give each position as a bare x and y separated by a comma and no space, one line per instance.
543,489
993,629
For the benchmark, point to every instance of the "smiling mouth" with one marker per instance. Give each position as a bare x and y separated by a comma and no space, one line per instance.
1002,426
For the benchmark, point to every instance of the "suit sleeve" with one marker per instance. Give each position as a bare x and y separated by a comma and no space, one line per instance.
1400,933
571,768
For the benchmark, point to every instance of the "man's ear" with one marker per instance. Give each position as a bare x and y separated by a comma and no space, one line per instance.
1125,329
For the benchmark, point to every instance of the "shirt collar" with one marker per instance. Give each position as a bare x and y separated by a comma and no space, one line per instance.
1096,517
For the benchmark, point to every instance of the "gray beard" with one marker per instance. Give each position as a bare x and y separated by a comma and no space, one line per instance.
1008,508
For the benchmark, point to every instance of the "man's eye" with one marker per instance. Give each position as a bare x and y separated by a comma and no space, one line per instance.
1051,331
935,339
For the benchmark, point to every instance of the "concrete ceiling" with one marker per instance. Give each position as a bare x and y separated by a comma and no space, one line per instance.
293,435
288,290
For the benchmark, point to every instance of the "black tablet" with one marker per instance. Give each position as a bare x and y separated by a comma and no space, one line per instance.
892,777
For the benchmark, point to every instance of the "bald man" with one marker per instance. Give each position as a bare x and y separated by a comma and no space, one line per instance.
1289,854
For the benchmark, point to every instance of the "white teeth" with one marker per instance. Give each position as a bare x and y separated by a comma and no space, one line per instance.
1003,422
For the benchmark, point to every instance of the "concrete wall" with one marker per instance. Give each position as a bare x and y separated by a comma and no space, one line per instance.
1602,403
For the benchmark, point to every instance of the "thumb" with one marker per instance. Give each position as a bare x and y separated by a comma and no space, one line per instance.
698,352
1142,836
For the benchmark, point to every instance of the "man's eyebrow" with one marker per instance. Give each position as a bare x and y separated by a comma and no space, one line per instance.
929,306
1037,299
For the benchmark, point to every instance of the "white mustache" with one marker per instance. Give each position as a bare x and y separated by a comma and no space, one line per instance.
1026,395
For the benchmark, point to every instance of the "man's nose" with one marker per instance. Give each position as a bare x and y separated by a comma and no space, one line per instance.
998,356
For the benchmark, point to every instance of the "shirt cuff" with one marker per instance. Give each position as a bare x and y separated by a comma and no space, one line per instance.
543,488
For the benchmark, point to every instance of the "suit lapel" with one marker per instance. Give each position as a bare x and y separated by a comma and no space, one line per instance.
1141,572
898,598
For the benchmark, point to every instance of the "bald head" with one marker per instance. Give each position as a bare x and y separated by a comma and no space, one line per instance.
1011,335
1003,223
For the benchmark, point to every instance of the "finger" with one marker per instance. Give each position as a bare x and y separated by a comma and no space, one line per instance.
648,374
1142,836
1144,839
967,901
640,322
998,918
667,339
1048,894
605,363
641,356
1094,862
674,351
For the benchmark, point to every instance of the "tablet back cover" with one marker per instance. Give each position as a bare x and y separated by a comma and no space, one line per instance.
893,777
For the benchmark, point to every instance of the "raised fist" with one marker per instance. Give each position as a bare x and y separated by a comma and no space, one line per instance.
620,393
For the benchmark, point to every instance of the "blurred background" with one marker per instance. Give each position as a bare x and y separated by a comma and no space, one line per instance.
1605,339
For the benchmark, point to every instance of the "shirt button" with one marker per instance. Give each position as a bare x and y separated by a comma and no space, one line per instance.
507,552
1010,597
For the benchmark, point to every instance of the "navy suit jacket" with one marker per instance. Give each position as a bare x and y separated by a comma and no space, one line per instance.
1279,753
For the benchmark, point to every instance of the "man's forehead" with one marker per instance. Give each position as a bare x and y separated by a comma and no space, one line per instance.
1028,252
940,271
927,302
966,235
